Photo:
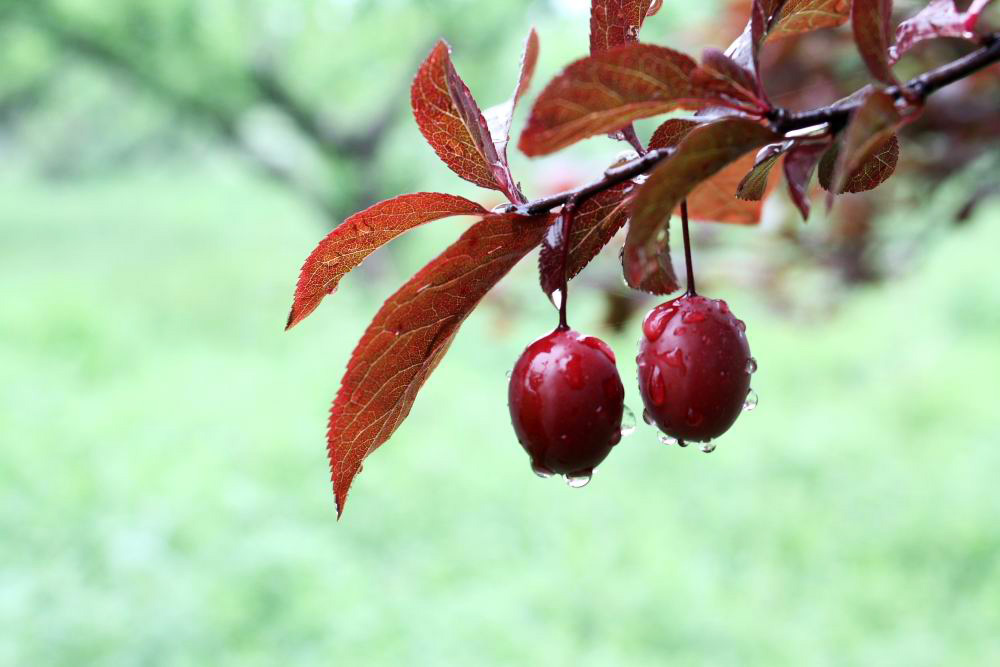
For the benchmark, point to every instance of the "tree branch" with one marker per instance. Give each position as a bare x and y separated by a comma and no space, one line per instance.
783,121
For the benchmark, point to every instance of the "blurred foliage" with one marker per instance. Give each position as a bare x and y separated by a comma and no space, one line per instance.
165,500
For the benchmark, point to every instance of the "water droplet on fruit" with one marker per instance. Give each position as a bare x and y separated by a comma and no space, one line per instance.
646,417
657,388
694,418
628,421
572,370
616,437
741,325
751,366
556,298
675,359
541,470
680,331
708,447
692,317
682,443
750,404
668,439
600,345
723,307
655,323
578,480
510,374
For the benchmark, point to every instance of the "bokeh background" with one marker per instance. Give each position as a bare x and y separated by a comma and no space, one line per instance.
165,167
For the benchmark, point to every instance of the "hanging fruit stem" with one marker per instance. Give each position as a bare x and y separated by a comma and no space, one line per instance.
687,249
567,228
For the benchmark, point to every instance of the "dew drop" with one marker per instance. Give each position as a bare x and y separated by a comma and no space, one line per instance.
646,417
741,325
680,331
708,447
541,470
628,421
675,359
616,437
723,307
556,298
655,323
572,369
668,439
682,443
578,480
510,374
692,317
750,404
751,366
601,346
657,388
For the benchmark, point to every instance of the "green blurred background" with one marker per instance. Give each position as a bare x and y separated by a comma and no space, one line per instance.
166,166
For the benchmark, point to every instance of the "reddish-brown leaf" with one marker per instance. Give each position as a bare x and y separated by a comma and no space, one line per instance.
452,123
938,19
500,117
754,184
360,235
615,22
411,333
784,18
799,165
732,84
870,21
700,155
714,199
607,91
871,172
868,152
798,16
595,222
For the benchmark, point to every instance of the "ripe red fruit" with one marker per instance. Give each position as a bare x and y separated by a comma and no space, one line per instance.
566,402
694,368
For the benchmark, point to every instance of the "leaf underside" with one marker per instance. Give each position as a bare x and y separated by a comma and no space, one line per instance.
870,23
352,241
937,19
714,199
500,117
605,92
799,165
595,222
867,155
411,333
701,154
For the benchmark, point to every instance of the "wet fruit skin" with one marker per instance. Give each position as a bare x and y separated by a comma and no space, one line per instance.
566,401
694,367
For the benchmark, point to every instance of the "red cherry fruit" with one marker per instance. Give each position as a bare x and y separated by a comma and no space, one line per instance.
694,368
566,401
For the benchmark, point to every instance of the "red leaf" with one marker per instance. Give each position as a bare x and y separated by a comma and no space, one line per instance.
606,92
867,155
595,222
754,184
731,83
798,16
702,153
800,163
870,21
784,18
411,333
714,199
363,233
452,123
500,117
871,172
938,19
615,22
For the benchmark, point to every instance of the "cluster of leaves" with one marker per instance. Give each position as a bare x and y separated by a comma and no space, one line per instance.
718,160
